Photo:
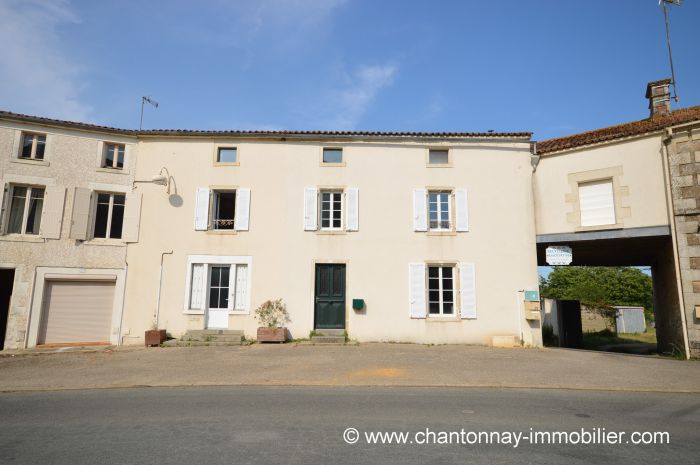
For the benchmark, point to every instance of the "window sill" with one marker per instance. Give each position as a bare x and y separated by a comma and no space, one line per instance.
22,238
438,165
29,161
222,232
331,232
442,233
239,312
601,227
332,165
112,170
193,312
442,318
106,242
225,163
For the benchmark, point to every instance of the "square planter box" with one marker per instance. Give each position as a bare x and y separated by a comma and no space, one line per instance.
272,334
155,337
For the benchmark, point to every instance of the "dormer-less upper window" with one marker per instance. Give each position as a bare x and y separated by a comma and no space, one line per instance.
33,146
113,156
438,157
332,155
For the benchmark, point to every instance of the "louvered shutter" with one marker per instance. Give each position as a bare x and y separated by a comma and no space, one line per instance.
242,209
197,287
80,218
52,214
420,210
132,217
201,209
241,292
461,210
310,209
467,290
352,201
416,284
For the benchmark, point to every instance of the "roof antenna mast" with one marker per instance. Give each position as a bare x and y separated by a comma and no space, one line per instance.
144,99
668,41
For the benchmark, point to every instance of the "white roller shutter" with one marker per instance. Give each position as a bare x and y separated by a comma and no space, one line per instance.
242,209
461,210
416,286
352,201
201,209
420,210
310,209
467,290
597,203
77,311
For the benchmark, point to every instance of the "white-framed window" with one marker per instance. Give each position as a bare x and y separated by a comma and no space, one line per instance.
26,204
441,290
32,146
597,203
331,209
440,210
223,209
113,156
108,215
218,282
332,155
438,157
226,155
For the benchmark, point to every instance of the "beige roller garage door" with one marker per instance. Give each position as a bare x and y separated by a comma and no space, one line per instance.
77,311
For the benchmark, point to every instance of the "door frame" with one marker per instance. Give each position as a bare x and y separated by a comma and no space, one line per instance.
12,268
314,263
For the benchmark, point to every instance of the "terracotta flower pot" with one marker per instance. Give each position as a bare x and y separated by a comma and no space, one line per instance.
154,337
272,334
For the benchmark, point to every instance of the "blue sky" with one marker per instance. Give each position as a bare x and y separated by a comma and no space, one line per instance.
549,66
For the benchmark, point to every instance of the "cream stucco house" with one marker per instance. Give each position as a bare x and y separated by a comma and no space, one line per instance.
388,236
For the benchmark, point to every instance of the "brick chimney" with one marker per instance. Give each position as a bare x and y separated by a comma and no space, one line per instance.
659,95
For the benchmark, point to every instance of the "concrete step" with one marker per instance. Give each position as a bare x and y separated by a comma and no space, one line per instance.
328,339
217,332
179,343
211,338
330,332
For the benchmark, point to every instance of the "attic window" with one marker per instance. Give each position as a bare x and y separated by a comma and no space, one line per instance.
438,157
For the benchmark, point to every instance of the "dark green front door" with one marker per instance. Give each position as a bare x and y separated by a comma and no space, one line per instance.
329,311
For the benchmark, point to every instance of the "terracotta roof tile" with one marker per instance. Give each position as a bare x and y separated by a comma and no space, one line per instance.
256,133
635,128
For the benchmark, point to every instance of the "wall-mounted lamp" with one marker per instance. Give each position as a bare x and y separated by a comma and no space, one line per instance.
159,179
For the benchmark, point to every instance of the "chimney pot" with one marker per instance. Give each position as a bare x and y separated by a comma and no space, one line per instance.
659,95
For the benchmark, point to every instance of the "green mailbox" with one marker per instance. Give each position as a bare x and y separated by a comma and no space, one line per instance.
358,304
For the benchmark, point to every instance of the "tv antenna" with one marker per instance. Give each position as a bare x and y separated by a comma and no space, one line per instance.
146,99
668,41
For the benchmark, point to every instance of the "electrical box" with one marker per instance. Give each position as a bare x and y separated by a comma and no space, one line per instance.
358,304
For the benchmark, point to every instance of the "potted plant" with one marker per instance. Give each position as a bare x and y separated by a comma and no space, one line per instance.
154,336
272,315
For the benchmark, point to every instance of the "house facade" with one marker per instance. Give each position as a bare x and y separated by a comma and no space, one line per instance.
432,232
67,215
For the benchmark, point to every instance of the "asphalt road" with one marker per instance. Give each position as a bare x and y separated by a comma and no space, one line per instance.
305,425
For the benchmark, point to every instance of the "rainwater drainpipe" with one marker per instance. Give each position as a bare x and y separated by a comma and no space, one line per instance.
160,284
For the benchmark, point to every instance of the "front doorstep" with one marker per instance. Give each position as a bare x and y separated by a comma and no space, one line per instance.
328,336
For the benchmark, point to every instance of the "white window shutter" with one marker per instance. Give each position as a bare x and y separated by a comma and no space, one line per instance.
201,209
461,210
80,218
4,188
132,217
197,287
310,209
420,210
15,143
597,203
467,290
416,285
352,200
241,293
242,210
52,214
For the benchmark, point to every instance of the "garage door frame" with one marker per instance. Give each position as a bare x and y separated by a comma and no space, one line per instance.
46,274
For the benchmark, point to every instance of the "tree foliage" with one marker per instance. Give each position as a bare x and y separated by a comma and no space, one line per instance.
600,286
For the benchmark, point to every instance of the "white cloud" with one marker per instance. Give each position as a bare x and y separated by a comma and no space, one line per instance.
36,76
357,96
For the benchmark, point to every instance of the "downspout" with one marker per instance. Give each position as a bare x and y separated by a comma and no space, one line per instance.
672,222
160,284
